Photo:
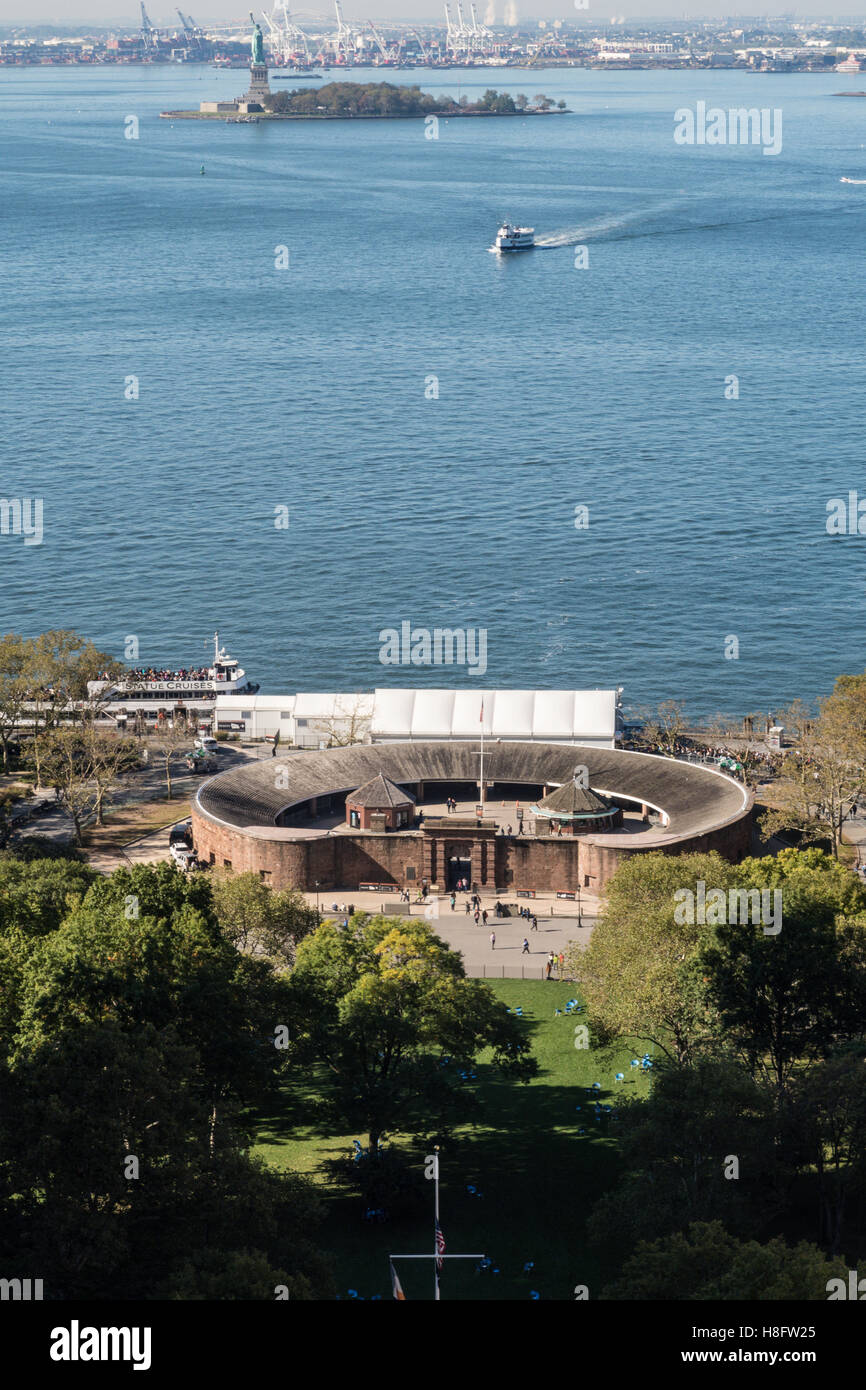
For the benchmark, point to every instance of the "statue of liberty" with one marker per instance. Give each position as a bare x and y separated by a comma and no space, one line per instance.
257,43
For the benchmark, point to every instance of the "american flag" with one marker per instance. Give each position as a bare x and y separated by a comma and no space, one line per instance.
440,1246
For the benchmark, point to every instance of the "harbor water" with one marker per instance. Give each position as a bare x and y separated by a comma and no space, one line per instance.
383,422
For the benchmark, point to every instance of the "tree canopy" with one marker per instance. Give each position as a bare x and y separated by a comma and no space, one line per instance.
387,1009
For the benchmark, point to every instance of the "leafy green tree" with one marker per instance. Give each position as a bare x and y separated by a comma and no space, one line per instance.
639,971
701,1146
59,665
135,1041
261,920
825,776
708,1263
37,895
213,1275
828,1116
387,1008
278,102
787,998
14,690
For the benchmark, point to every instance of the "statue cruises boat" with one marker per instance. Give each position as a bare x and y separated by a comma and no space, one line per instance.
510,238
151,689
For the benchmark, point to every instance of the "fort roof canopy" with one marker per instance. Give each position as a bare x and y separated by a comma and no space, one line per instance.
380,791
572,800
694,800
552,716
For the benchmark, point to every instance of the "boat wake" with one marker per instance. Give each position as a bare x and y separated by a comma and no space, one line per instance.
601,227
844,180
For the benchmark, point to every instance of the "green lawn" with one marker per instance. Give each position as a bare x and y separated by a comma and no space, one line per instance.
538,1175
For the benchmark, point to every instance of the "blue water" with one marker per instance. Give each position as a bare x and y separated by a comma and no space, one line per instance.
305,388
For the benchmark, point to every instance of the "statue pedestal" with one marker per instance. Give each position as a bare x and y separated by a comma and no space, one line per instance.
258,88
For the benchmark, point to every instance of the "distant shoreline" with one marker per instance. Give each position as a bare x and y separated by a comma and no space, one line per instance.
248,118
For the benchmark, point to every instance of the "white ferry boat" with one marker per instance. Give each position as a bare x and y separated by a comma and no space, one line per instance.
510,238
152,689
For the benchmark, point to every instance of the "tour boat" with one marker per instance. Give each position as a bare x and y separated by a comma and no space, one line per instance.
510,238
149,688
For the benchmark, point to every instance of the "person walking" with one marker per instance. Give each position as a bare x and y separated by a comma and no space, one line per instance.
477,916
493,941
484,916
453,901
551,960
547,975
525,951
468,907
534,922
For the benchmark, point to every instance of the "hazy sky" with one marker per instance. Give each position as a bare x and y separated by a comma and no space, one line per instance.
125,12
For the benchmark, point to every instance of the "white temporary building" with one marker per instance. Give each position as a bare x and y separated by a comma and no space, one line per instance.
588,717
306,720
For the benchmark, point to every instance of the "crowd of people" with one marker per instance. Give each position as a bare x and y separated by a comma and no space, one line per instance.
763,764
149,673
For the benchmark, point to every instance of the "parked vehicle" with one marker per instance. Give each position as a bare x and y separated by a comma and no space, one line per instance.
184,856
200,761
180,834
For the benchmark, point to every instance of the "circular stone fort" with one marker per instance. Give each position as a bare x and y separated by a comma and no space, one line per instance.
406,815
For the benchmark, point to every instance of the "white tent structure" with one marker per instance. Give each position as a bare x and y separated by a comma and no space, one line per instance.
587,717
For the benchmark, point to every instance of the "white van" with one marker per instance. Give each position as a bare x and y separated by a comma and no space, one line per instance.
207,743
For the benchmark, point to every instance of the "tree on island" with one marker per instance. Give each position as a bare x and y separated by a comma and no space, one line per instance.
385,1006
386,99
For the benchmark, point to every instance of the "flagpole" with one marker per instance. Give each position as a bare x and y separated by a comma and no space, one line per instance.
436,1225
482,750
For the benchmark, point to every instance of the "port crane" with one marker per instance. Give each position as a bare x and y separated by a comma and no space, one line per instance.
191,31
424,53
287,38
149,35
343,40
389,55
452,31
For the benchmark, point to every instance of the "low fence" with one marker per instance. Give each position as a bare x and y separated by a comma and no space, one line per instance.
520,972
